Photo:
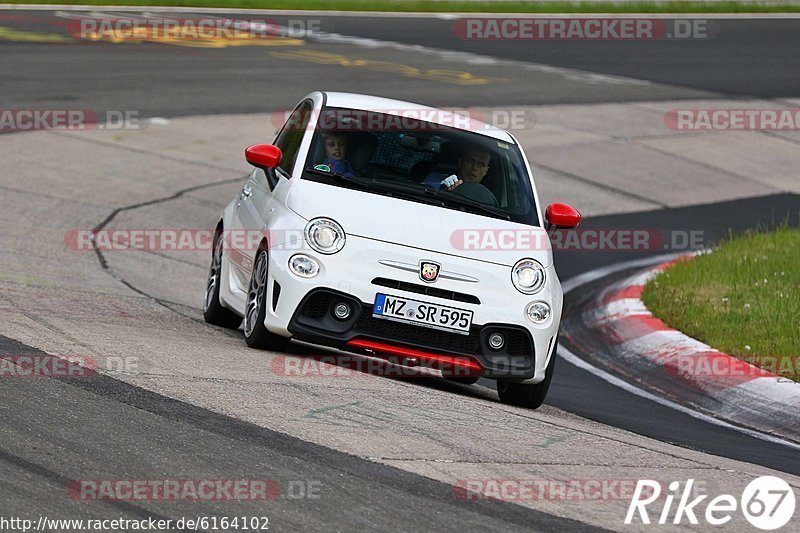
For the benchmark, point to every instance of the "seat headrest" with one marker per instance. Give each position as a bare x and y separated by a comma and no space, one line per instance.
361,147
420,170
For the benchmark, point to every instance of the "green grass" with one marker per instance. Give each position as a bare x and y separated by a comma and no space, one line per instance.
742,299
461,6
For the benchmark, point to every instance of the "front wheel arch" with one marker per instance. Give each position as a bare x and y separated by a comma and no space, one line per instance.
256,333
213,310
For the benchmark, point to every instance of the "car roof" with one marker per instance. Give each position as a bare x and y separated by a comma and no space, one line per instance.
442,117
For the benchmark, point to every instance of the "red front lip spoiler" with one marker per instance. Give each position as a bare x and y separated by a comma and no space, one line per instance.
455,364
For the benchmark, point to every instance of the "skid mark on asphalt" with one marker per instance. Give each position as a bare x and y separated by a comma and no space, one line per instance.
60,480
371,417
599,185
38,299
160,428
35,317
148,153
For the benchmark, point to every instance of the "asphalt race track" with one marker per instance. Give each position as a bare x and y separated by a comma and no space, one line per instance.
741,59
370,453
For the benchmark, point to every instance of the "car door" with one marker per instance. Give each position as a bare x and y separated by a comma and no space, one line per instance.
254,205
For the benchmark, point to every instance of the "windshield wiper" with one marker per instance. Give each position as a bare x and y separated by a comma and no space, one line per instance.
406,192
395,191
444,198
399,191
463,200
340,177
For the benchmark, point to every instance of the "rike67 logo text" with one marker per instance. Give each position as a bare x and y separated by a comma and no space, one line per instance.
767,502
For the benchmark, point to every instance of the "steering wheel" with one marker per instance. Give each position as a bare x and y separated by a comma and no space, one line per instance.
476,191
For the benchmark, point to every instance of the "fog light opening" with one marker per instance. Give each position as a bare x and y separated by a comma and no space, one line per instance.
342,311
496,341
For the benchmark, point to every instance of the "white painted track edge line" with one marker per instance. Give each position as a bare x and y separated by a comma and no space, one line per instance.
618,382
587,277
598,273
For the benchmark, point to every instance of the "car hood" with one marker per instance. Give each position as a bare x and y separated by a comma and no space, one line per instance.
422,226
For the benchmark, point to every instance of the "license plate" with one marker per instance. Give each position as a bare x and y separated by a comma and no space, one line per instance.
423,314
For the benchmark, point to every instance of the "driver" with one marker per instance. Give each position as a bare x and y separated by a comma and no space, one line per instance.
471,167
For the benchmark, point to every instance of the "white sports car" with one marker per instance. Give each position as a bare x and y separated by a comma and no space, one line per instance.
393,229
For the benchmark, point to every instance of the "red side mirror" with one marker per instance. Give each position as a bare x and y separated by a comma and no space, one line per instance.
263,155
562,216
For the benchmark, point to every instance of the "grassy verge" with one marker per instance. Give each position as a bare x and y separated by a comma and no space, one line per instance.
462,6
742,299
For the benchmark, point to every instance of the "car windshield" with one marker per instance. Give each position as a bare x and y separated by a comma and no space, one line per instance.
409,159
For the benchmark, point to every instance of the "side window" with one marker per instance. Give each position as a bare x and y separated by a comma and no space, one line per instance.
291,136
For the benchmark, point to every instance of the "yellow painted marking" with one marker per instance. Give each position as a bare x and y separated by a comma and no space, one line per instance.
458,77
185,38
10,34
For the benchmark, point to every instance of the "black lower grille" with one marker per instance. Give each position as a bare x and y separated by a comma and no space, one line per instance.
517,341
410,334
317,305
314,322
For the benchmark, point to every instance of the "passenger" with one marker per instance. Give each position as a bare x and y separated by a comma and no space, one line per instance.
336,153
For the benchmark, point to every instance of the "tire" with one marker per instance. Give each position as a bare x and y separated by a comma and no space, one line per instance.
256,334
213,312
524,394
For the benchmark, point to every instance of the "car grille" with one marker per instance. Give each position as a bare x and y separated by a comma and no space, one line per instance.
315,313
410,334
426,290
318,305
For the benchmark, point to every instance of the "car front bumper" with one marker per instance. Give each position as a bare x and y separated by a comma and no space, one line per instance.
301,307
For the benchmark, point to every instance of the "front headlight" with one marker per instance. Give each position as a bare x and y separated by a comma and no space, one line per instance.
528,276
325,236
